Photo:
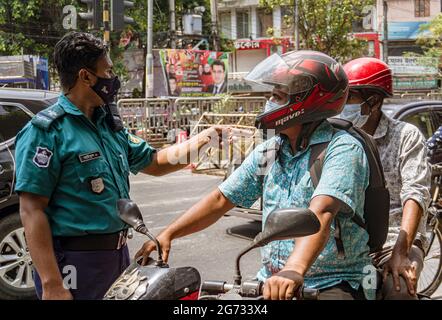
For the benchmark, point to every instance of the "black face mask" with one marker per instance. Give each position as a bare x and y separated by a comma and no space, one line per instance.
106,88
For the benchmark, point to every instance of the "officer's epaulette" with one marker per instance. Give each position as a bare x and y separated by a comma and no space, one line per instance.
46,117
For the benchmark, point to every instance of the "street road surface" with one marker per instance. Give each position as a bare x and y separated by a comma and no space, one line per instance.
211,251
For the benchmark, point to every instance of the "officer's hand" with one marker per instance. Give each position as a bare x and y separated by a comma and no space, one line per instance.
56,293
284,285
150,246
216,136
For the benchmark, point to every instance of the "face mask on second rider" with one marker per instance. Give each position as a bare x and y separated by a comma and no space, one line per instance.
353,112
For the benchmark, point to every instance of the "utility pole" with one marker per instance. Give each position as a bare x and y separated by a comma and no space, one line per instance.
149,56
172,24
106,25
385,41
214,15
296,25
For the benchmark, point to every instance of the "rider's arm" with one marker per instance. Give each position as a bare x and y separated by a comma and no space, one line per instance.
344,178
341,188
308,248
416,182
243,187
411,217
200,216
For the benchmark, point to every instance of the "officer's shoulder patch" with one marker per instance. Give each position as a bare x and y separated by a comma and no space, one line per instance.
46,117
42,157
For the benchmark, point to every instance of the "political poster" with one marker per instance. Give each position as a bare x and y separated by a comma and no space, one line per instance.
195,73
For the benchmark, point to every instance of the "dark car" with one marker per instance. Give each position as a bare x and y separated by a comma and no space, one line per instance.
425,115
17,107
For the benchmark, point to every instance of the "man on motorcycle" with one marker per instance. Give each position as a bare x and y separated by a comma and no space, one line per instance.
407,172
308,87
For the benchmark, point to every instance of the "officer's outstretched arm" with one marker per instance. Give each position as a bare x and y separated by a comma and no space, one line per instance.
181,155
39,240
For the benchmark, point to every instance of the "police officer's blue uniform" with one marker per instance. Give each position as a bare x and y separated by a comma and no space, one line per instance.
83,167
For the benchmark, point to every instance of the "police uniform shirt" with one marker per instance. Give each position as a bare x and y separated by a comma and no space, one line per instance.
81,166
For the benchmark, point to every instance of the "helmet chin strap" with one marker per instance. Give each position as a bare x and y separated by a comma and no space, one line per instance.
306,133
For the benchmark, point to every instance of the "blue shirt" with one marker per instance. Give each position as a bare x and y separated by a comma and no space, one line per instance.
82,166
345,176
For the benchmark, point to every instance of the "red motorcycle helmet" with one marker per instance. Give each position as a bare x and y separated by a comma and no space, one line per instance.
370,73
316,85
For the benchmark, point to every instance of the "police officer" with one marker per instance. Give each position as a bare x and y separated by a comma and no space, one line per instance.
73,162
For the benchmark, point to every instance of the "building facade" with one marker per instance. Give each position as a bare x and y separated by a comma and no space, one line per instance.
404,20
257,32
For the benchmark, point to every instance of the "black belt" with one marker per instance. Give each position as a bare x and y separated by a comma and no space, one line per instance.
93,242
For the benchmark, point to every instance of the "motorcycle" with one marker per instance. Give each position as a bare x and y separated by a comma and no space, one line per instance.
158,281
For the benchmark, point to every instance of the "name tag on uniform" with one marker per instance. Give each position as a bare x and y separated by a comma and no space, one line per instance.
89,156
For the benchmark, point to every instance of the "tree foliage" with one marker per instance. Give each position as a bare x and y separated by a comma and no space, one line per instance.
326,25
430,37
30,27
34,26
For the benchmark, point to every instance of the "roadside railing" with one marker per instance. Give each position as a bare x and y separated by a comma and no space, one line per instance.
157,120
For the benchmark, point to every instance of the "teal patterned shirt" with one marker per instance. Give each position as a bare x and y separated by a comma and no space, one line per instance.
287,183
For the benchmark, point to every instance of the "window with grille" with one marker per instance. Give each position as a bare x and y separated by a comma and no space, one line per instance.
242,24
226,24
421,8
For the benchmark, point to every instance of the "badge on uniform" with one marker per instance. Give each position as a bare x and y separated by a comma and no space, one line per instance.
42,157
85,157
134,139
97,185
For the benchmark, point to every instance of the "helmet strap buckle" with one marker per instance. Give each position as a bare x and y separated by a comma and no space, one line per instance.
306,133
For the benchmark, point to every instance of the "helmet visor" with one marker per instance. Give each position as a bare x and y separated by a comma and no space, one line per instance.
274,72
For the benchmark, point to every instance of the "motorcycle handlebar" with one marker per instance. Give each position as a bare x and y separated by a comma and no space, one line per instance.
251,289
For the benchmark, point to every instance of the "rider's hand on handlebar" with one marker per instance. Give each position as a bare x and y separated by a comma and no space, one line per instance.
400,265
149,246
284,285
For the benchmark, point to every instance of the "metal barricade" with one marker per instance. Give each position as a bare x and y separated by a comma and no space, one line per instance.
218,161
244,105
189,110
434,95
153,119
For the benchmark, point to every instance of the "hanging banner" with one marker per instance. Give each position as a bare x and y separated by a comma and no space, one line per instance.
195,73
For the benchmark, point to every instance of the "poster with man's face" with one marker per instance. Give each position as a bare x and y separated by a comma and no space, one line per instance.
195,73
